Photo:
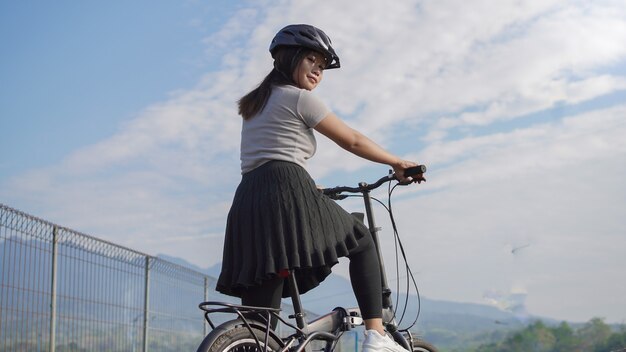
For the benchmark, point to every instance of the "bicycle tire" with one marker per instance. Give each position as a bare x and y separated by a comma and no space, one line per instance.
423,346
237,338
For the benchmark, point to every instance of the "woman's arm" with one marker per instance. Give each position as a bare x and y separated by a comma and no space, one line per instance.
355,142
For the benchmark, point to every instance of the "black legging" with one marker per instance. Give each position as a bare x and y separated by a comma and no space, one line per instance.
365,277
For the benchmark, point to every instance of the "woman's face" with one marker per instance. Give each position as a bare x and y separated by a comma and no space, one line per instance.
310,71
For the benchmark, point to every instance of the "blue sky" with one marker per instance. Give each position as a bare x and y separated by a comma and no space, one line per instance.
118,119
78,70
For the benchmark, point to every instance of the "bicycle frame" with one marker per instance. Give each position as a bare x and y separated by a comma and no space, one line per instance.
327,327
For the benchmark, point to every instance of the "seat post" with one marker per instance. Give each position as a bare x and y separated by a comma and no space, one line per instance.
297,304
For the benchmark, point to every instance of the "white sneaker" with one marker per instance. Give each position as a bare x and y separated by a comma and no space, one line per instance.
375,342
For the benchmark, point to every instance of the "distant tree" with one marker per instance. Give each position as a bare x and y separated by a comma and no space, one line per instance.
593,333
594,336
566,340
615,342
540,337
535,337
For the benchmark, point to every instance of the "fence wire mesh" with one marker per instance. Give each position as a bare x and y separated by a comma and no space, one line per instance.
66,291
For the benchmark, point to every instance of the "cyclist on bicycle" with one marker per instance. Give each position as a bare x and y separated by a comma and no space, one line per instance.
278,219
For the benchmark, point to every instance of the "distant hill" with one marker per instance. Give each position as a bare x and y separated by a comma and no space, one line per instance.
337,291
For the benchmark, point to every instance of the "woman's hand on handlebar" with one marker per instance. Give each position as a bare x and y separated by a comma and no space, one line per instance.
399,168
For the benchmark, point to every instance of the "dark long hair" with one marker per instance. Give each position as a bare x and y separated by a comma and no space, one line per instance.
286,61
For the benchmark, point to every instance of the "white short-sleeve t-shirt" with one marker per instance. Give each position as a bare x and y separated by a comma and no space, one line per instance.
283,130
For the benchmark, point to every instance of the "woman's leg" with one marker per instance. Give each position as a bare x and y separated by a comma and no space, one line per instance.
365,277
267,295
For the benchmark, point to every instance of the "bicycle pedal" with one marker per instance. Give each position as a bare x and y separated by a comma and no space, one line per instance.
353,321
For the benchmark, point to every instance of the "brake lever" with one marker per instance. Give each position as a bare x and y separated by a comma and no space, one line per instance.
415,179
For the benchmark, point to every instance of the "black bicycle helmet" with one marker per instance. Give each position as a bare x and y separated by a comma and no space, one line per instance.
307,36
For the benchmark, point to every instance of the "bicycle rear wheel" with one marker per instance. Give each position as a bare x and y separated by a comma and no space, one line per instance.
238,338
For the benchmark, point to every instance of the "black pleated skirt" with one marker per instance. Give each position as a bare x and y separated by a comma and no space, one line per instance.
279,220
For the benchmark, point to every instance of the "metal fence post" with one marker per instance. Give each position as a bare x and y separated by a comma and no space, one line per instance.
206,298
146,304
53,291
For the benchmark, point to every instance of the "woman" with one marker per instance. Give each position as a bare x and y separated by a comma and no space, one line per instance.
278,219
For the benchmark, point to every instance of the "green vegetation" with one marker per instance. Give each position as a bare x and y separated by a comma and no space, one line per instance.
594,336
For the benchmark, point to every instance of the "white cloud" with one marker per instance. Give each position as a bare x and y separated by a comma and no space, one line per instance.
574,140
557,189
513,59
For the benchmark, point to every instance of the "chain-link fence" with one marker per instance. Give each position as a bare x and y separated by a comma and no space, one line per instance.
61,290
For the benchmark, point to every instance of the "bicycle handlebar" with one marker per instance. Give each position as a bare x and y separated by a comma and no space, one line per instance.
335,192
415,170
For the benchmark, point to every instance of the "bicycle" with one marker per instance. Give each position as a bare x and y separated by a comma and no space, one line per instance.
245,334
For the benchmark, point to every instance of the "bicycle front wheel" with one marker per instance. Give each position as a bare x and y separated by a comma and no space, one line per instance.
238,338
423,346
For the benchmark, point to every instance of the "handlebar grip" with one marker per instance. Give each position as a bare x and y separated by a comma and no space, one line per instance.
415,170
